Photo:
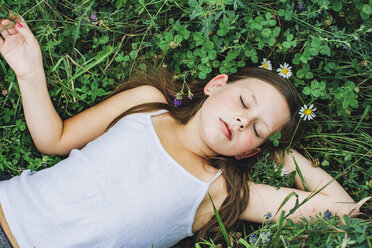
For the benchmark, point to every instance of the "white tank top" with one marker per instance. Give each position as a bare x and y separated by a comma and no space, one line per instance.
121,190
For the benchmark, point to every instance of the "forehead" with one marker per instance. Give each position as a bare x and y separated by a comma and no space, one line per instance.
258,87
254,83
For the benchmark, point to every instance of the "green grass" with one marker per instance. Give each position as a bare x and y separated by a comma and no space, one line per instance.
327,43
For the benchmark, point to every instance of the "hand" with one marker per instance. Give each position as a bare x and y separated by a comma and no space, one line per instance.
19,47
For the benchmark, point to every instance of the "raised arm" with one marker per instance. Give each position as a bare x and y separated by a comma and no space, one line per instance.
265,198
50,134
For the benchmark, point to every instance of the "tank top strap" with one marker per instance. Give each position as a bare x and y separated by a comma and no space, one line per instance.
219,172
158,112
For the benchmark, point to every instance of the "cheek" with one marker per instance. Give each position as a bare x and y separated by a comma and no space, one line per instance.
245,143
214,104
208,124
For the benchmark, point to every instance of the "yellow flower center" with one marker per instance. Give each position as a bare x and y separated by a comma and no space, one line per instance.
285,71
265,65
307,112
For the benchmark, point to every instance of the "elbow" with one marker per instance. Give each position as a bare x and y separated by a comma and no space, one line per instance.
351,209
52,150
348,208
46,150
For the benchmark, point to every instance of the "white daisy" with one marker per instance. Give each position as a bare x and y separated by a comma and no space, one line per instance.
307,112
285,70
266,64
284,171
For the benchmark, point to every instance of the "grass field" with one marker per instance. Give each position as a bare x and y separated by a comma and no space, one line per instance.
89,47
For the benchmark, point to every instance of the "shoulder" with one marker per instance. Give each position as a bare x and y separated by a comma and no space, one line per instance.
143,94
85,126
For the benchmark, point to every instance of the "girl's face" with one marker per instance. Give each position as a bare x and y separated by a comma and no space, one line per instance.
238,117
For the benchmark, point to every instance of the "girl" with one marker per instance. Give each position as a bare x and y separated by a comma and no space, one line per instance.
141,178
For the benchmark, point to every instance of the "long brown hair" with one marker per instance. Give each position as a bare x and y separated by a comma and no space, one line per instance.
235,172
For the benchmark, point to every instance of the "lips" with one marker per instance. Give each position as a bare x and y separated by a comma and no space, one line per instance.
225,129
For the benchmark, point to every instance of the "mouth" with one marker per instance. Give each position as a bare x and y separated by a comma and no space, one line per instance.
225,129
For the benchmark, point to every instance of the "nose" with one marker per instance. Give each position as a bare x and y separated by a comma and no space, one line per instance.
242,122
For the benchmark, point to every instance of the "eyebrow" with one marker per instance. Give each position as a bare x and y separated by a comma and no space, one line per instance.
254,98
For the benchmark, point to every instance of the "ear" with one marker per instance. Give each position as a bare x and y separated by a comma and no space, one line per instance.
215,83
248,153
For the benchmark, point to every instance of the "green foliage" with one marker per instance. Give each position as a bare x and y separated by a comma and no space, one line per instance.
345,97
90,47
316,90
275,138
268,172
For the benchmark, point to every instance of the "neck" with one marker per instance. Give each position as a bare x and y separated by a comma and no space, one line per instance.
189,138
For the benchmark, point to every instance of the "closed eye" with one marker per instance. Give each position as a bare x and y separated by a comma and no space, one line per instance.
241,99
255,131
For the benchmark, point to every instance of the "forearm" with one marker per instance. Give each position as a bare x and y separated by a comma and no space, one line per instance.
22,52
43,121
315,178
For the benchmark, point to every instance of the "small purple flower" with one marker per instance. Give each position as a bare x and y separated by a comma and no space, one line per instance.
267,216
82,22
74,7
177,101
266,237
299,6
356,38
346,48
93,17
327,214
253,238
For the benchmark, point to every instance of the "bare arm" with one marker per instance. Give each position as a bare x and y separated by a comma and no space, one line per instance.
51,135
84,127
42,120
265,198
49,132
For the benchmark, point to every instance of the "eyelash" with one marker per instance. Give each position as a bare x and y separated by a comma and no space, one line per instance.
254,127
241,99
255,131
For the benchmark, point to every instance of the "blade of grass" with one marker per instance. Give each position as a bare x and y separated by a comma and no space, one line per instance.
280,226
363,116
88,67
245,243
316,192
3,67
9,90
303,181
284,243
359,204
223,229
76,31
286,199
57,64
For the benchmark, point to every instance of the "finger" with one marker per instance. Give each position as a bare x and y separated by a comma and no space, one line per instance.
22,26
15,17
3,30
9,26
18,19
